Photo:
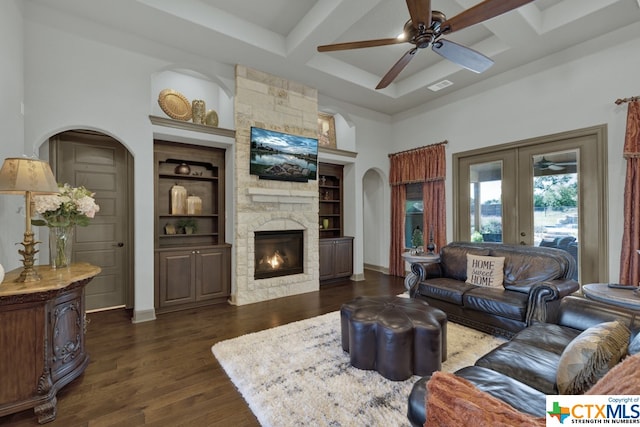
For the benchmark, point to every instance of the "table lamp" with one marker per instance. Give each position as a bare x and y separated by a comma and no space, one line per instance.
24,175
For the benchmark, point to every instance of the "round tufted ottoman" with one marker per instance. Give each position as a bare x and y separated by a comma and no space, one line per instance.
396,336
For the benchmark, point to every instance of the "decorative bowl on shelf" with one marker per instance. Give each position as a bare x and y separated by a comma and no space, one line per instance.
183,169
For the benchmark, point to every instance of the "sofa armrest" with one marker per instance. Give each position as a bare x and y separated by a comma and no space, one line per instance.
422,271
545,293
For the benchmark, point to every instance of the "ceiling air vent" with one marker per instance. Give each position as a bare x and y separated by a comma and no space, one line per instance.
440,85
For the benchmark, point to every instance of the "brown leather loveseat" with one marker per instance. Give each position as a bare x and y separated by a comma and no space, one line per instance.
535,280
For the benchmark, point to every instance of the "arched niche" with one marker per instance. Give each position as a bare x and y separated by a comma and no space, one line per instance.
215,92
375,218
345,128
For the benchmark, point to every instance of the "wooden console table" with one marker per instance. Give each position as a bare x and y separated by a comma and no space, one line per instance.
42,327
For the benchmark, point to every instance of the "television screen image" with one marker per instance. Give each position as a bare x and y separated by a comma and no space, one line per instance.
281,156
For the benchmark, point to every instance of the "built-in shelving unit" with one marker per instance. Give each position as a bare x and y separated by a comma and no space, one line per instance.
192,266
330,200
336,249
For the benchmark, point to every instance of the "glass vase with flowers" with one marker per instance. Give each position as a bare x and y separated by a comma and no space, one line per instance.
61,212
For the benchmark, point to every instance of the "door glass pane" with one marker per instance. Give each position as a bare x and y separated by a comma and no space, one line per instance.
486,201
555,201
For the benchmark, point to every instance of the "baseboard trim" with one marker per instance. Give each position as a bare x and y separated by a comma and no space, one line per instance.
357,277
378,268
140,316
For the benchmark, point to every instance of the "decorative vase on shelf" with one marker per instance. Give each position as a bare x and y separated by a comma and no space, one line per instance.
325,223
431,246
182,169
60,246
178,200
194,205
198,111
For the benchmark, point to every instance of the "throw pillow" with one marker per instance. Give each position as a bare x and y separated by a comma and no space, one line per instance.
634,345
590,356
624,378
485,270
453,401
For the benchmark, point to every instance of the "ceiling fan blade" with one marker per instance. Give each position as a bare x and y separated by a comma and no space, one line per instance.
360,44
481,12
397,67
420,12
462,55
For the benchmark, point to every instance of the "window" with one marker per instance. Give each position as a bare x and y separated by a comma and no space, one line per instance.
414,218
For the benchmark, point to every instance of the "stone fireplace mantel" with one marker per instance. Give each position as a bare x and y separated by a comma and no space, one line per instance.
277,195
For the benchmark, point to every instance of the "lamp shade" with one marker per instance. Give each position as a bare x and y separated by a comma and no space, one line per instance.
21,174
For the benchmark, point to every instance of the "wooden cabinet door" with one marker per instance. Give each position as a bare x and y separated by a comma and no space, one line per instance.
326,255
343,258
66,333
176,278
212,273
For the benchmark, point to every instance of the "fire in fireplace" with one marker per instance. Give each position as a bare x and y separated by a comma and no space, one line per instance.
278,253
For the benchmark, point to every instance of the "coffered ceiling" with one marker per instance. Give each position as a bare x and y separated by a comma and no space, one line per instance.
281,36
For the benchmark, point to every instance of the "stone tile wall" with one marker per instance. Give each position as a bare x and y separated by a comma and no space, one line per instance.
274,103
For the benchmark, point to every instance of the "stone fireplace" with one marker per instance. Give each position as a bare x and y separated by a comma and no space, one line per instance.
278,253
271,208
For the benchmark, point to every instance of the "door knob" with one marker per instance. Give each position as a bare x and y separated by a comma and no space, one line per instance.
522,233
119,244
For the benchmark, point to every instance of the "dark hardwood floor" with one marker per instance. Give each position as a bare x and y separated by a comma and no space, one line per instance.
162,373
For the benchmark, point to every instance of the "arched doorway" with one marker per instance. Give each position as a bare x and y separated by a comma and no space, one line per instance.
104,166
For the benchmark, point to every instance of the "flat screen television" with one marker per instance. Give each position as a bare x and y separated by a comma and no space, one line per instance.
283,157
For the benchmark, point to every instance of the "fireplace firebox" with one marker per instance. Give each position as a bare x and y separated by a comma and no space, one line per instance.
278,253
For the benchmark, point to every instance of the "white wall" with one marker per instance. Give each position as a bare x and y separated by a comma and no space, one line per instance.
11,126
79,83
578,94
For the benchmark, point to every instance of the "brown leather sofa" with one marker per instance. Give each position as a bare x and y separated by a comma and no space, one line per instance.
523,371
535,280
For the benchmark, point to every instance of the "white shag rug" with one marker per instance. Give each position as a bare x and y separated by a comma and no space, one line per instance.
298,375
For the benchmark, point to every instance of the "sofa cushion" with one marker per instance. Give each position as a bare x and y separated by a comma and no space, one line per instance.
453,260
497,301
590,356
526,266
454,401
485,270
444,289
549,336
515,393
531,365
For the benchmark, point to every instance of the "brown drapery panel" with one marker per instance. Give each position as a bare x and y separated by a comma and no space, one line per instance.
629,257
435,213
398,197
427,165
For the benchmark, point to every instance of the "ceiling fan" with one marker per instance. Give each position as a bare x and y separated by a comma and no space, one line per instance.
544,164
425,28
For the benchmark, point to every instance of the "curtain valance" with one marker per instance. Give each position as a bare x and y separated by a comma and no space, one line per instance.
423,164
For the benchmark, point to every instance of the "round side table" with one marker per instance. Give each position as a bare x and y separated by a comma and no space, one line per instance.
621,297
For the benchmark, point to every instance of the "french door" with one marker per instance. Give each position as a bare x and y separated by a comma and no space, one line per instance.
547,191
